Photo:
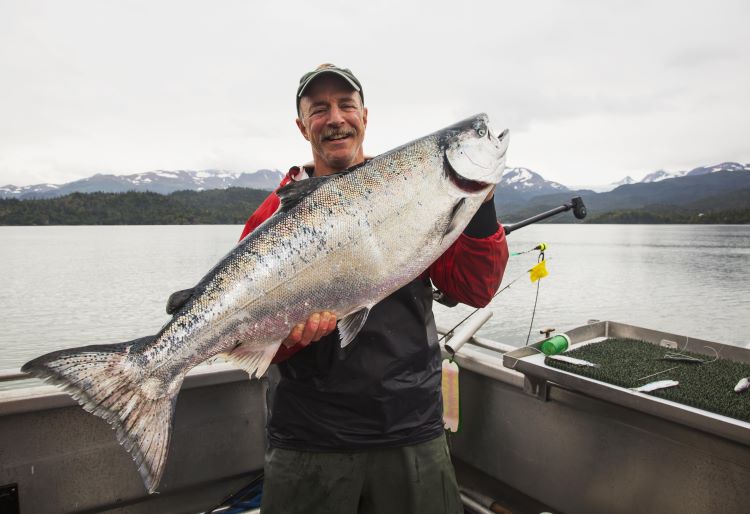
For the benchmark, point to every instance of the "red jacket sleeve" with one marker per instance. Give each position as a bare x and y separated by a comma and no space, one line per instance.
268,207
261,214
471,270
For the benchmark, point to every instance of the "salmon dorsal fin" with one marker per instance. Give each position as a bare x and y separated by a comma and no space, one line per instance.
178,299
294,192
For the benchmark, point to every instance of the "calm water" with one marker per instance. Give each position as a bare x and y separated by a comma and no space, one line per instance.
72,286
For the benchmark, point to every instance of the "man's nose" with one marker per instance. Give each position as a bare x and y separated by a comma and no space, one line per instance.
335,116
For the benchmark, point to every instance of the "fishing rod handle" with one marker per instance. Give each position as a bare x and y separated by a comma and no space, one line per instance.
467,331
576,204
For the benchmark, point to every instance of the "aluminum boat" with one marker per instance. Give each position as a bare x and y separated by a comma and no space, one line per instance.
532,439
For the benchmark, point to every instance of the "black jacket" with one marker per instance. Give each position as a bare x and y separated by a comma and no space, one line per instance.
382,390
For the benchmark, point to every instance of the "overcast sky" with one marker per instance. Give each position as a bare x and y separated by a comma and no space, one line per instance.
591,90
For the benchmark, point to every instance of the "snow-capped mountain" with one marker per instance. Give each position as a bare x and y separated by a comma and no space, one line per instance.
38,190
623,182
159,181
516,183
523,180
599,188
724,166
658,176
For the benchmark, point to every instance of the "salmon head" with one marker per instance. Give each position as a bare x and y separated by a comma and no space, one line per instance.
474,157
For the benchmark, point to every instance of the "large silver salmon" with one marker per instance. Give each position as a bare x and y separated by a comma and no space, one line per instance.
340,243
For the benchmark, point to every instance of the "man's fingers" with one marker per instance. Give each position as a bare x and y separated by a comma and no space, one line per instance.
322,326
294,337
326,326
318,325
331,324
311,328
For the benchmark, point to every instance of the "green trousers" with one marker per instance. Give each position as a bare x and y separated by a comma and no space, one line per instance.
408,480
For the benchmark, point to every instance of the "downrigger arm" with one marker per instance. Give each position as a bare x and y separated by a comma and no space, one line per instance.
575,204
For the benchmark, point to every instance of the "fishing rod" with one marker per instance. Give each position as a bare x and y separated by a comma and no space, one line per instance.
576,204
579,211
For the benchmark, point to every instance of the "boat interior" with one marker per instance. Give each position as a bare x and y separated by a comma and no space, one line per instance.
530,440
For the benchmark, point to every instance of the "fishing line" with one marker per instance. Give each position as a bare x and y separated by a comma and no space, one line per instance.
680,355
654,374
449,332
538,284
540,247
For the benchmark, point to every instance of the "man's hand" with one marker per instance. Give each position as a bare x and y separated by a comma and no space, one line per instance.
490,194
318,325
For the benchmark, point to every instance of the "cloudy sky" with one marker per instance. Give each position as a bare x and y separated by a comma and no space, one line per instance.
591,90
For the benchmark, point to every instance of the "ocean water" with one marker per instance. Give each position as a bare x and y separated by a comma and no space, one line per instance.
70,286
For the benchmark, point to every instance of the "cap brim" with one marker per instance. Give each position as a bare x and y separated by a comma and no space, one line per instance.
311,78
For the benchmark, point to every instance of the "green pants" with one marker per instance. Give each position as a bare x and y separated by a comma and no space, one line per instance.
409,480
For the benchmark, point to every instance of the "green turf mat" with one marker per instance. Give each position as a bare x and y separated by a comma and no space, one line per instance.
708,386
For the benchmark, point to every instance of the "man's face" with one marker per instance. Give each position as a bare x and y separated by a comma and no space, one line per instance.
333,119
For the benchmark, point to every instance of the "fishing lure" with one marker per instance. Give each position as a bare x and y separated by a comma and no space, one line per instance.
574,361
678,357
653,386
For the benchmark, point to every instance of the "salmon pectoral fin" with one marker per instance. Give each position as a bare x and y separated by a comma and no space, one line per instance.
350,325
252,359
106,383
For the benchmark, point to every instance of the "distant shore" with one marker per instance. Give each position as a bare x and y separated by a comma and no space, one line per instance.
234,205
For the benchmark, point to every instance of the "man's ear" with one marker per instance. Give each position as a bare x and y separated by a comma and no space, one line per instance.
364,116
302,128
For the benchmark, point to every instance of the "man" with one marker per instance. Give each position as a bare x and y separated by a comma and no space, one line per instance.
359,429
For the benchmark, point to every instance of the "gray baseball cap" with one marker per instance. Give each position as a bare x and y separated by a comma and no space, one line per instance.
344,73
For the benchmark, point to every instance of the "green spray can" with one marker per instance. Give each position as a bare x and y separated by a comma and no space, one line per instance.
556,344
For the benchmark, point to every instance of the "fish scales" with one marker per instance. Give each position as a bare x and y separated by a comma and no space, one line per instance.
338,244
345,216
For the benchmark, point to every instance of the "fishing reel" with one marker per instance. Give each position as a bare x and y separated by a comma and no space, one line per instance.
579,210
441,297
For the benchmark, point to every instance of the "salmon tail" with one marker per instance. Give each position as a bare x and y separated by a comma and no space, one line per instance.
104,381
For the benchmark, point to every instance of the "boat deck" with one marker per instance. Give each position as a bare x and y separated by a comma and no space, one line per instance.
530,443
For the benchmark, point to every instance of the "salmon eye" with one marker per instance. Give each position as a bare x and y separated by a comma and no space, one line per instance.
481,130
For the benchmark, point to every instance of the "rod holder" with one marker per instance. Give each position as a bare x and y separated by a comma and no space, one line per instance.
467,331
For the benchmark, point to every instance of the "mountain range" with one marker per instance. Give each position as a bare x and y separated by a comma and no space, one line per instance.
686,196
521,192
160,181
516,182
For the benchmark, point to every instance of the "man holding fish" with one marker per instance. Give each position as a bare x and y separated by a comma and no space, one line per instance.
358,428
355,420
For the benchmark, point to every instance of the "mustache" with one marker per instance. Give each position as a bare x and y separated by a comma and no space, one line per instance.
331,134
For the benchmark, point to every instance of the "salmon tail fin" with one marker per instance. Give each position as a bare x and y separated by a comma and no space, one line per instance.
106,383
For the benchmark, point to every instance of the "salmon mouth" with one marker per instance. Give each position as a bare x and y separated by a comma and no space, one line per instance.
465,184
